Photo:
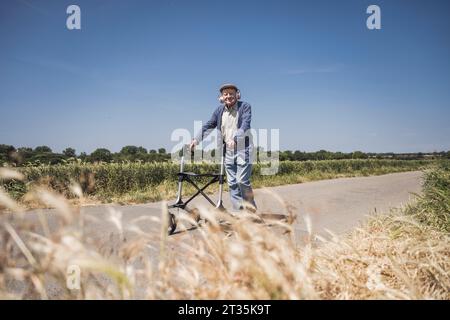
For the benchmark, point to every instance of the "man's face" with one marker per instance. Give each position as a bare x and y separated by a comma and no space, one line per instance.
229,96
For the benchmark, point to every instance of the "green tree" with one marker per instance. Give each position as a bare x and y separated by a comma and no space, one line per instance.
42,149
83,156
47,158
101,154
131,153
69,153
297,156
288,155
142,150
359,155
24,154
162,151
6,149
129,150
7,153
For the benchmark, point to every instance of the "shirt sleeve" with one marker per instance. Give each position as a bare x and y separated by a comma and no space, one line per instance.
208,126
246,121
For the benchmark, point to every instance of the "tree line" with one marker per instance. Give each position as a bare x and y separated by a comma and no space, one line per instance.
44,155
328,155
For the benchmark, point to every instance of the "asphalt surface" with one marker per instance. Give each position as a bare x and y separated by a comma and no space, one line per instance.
338,205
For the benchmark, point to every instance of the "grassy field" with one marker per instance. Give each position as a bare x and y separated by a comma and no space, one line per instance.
143,182
404,254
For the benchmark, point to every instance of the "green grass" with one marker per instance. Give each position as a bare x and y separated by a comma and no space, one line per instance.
142,182
433,206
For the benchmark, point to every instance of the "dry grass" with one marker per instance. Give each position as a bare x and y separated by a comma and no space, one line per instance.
393,256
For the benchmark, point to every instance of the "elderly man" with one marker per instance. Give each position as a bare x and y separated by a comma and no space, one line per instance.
232,118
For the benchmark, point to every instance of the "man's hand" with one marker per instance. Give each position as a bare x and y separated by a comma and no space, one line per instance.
231,144
193,144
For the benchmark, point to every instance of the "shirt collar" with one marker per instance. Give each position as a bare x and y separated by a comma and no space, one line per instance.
232,108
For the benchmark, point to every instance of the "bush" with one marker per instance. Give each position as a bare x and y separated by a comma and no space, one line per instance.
433,207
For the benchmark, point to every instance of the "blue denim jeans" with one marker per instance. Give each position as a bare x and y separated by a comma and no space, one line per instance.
238,178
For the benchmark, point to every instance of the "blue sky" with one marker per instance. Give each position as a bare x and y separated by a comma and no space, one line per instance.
137,70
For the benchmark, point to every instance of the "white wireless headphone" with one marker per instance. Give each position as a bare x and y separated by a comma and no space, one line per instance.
238,96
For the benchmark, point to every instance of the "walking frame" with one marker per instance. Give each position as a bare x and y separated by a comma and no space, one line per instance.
190,178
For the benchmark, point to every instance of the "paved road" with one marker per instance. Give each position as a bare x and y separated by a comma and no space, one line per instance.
342,204
338,204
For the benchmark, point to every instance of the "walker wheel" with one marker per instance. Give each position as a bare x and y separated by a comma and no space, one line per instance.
172,223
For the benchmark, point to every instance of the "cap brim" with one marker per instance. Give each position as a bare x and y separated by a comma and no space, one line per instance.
228,86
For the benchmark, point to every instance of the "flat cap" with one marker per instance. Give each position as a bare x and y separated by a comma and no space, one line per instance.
228,85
